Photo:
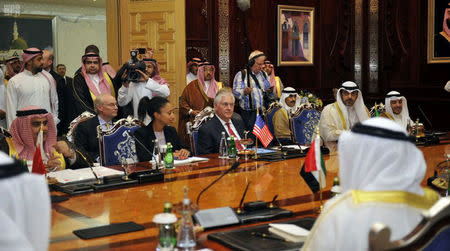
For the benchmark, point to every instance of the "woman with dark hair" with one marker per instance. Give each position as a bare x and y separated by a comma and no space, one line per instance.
161,112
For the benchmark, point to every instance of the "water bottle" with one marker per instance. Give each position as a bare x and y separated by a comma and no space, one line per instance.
156,152
223,150
186,236
335,189
166,220
232,152
168,158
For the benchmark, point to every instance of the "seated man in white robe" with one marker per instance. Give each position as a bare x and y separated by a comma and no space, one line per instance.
397,109
25,210
289,102
341,115
380,170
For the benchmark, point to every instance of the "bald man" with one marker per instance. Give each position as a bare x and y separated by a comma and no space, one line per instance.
85,137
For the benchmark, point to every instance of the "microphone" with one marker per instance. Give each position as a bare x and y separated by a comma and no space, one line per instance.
233,167
86,159
239,210
131,134
425,116
147,175
90,163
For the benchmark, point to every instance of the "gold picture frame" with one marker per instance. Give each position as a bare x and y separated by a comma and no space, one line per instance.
437,47
295,35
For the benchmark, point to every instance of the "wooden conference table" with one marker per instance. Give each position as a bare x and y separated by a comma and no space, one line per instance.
140,203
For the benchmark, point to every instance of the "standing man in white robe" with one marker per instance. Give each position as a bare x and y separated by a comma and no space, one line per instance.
380,170
31,86
341,115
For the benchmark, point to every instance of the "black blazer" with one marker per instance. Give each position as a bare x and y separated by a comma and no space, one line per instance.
60,87
146,134
85,137
209,134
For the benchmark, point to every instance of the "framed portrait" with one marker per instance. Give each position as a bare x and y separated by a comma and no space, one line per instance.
295,26
438,44
24,31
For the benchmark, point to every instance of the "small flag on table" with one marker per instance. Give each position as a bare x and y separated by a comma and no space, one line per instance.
38,164
313,163
261,131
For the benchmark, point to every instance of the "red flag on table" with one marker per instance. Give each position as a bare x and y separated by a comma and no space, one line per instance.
262,131
38,164
313,163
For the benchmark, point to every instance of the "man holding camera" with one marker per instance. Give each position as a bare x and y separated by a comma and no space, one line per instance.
251,87
88,84
135,78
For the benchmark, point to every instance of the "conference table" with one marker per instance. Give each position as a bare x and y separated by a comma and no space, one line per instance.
140,203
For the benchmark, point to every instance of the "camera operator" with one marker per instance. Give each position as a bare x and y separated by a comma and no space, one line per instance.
139,79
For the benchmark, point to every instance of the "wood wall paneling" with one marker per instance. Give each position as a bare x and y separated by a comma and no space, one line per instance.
157,24
402,51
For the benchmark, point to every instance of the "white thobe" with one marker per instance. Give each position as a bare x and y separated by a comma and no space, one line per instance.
25,89
190,77
136,91
25,211
96,80
331,125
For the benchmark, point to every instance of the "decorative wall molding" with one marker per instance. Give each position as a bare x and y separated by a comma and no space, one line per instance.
224,42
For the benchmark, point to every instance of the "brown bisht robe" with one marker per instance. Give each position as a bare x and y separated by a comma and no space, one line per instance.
195,98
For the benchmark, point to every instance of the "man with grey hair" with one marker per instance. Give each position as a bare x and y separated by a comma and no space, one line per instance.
224,120
85,137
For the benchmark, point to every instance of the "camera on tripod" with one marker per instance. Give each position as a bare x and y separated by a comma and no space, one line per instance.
133,65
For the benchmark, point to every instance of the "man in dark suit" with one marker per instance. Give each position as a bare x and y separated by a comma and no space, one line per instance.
63,125
61,70
86,132
225,120
48,57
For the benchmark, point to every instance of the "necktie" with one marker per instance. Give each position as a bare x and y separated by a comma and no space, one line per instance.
230,131
108,126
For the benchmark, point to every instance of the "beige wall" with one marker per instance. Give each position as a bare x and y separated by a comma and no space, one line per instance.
157,24
74,27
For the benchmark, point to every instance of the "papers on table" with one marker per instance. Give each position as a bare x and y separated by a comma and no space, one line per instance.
289,232
296,147
185,161
263,150
83,174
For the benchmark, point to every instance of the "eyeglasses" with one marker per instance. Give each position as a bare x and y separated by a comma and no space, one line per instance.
111,105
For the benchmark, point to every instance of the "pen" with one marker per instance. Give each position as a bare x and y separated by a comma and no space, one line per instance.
268,236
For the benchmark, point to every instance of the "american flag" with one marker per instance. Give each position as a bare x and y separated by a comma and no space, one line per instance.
262,131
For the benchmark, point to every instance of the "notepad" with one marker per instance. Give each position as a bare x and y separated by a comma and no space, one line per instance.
76,175
290,232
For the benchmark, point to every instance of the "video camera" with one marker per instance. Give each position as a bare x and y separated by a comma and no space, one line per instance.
133,65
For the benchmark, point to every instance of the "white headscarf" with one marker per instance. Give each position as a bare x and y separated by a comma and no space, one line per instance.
371,160
403,118
372,163
359,106
286,93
